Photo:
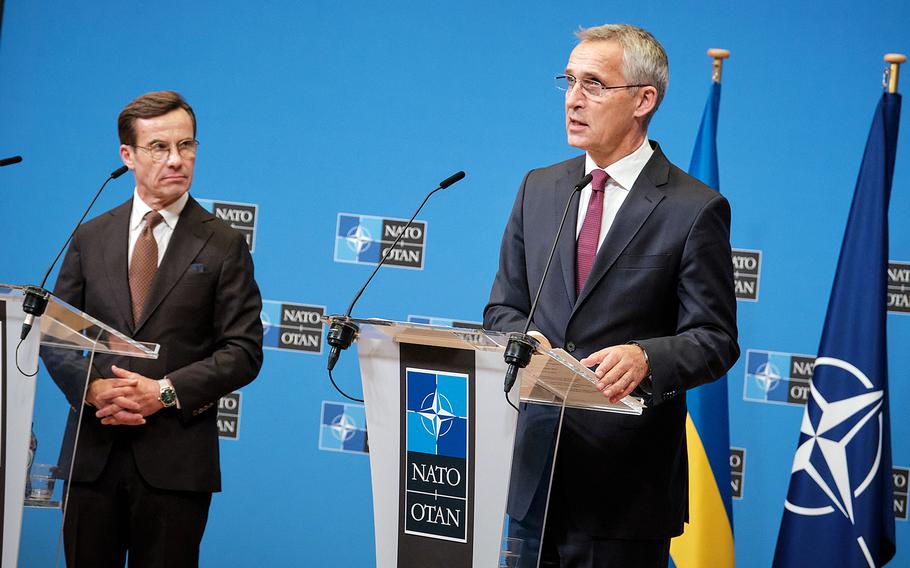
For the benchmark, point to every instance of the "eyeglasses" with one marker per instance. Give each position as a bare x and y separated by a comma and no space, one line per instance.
160,151
592,89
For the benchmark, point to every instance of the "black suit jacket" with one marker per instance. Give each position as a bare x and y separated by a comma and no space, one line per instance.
203,309
664,278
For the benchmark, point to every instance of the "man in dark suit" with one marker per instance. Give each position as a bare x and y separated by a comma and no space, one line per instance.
641,287
161,269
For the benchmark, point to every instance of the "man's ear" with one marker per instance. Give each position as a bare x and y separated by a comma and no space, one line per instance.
126,155
647,100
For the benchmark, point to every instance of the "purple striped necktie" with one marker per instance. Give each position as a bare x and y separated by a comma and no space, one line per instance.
586,247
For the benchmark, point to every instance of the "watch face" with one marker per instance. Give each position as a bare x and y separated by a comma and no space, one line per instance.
167,396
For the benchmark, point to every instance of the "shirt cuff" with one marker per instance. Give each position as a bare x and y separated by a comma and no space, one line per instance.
646,387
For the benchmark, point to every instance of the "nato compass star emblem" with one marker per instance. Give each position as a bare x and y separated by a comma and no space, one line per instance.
343,427
767,376
265,320
436,414
359,239
825,437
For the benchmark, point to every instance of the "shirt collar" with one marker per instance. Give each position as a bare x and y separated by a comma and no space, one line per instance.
169,214
627,169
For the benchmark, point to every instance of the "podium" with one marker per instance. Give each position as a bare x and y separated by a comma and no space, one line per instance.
442,446
38,423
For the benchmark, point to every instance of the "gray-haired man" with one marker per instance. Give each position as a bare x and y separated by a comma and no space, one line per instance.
641,287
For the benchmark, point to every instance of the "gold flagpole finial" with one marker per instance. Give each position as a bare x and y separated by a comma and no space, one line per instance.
891,74
718,55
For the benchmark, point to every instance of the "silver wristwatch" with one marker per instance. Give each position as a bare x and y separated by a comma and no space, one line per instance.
166,393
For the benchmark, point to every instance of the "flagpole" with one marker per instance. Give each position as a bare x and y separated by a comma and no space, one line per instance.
853,351
707,539
895,60
720,54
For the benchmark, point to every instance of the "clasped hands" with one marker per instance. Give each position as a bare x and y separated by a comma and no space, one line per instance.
125,400
620,369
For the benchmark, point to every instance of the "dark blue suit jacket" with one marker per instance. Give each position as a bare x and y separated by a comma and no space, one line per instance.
663,278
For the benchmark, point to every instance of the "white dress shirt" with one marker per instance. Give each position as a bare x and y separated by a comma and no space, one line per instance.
162,232
622,175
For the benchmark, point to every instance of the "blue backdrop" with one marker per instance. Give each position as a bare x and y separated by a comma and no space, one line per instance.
308,110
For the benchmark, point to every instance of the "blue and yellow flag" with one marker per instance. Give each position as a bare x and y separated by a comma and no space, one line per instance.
839,508
708,537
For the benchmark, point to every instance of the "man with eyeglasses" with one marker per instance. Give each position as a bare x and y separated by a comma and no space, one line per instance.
641,287
164,270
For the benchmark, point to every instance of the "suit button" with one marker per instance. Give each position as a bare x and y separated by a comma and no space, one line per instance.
570,347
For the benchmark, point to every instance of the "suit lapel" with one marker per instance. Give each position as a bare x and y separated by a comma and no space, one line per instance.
641,201
189,237
115,261
565,250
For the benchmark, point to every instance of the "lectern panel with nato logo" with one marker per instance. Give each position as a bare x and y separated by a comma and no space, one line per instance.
442,436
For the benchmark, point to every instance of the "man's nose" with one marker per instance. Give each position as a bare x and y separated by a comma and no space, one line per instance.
173,157
574,96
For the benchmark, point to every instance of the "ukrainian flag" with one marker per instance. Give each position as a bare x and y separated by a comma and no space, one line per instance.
708,537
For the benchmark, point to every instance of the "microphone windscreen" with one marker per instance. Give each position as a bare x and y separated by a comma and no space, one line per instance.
119,172
584,181
456,177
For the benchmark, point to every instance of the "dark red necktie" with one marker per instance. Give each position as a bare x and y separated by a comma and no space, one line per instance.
586,247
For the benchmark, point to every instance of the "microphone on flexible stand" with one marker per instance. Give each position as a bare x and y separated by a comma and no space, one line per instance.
342,330
521,345
35,300
10,161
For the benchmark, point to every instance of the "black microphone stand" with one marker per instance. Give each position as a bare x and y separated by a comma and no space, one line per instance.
343,330
35,301
521,345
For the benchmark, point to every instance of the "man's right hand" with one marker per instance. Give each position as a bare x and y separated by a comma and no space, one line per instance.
115,411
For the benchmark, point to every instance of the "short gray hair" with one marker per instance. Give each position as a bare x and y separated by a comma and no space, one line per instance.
644,61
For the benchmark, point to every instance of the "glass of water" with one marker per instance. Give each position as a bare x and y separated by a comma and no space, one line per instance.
41,484
510,557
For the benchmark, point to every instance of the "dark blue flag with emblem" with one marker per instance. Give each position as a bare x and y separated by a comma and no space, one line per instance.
839,509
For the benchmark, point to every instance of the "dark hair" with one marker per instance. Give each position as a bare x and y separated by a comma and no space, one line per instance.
150,105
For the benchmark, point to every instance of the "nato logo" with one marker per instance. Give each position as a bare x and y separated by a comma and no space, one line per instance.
292,327
229,416
445,322
899,287
779,378
240,216
343,428
737,471
363,239
436,476
827,458
899,479
746,273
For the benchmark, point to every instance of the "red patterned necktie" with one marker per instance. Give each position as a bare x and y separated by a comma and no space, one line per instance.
144,263
586,247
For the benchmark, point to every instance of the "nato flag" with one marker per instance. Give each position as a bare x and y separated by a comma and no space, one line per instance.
838,510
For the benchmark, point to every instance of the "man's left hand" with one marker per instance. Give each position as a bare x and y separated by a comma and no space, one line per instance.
135,387
620,369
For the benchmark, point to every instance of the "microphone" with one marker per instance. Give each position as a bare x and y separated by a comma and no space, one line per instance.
10,161
342,330
35,300
521,345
